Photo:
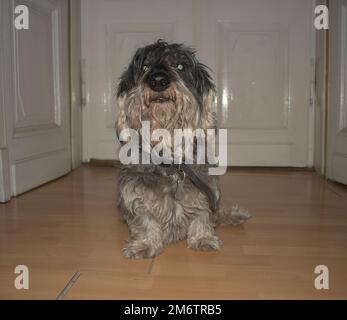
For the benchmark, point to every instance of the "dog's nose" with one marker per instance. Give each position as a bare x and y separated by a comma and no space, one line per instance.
159,81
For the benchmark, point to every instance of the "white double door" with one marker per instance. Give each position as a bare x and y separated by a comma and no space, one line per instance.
259,51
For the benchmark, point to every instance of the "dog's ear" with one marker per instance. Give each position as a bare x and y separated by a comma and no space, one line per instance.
128,79
127,82
208,117
206,90
121,122
124,86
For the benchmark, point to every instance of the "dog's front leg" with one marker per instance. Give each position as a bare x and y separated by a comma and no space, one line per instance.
201,234
147,238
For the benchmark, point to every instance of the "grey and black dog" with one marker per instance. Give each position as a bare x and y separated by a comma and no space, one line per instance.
166,85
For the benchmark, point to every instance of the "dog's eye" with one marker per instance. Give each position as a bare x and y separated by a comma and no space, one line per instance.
145,67
180,67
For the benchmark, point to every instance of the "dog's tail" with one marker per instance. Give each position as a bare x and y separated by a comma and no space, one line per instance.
234,216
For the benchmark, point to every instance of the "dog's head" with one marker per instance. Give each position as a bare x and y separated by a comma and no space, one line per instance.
166,85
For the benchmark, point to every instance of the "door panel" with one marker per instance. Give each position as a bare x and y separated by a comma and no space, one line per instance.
251,102
337,113
39,138
31,101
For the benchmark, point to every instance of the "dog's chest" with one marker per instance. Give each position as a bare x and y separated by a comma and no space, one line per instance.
171,202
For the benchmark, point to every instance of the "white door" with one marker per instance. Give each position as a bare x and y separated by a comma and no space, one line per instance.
111,32
259,51
37,99
337,113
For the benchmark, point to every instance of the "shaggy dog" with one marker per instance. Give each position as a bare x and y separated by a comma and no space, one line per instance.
167,86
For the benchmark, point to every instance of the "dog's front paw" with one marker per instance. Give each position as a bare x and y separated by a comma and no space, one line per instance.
234,216
239,215
208,243
136,249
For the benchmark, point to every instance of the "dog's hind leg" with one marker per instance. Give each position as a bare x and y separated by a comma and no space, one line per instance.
147,238
201,234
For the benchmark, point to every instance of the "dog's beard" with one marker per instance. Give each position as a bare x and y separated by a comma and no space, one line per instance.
174,108
162,109
162,115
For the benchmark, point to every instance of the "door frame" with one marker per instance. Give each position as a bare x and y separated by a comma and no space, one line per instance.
75,75
312,115
321,114
85,94
6,98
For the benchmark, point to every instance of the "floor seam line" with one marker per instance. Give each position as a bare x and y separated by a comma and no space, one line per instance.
68,286
334,191
150,267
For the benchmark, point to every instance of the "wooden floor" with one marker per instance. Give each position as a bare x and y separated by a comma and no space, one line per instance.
299,221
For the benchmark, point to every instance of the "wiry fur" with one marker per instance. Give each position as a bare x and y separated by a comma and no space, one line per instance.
146,192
